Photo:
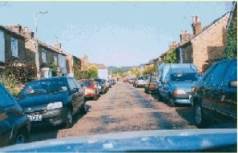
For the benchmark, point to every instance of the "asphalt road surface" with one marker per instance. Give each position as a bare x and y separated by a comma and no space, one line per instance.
122,108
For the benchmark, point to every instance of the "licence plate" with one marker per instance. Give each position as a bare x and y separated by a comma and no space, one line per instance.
35,117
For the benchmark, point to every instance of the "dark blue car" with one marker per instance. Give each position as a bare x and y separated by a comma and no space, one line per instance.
52,101
14,125
176,82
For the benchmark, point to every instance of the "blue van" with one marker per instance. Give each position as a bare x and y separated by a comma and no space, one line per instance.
175,82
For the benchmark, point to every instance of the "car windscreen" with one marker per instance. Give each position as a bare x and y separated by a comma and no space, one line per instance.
183,77
6,99
56,85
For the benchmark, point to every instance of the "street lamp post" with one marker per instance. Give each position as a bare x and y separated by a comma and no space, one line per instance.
36,17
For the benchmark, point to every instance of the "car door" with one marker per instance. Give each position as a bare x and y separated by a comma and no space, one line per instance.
229,94
80,93
73,90
212,89
5,126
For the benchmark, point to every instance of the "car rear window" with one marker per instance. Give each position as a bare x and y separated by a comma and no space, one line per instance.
6,99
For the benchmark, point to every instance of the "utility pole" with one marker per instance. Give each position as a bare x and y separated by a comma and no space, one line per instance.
36,18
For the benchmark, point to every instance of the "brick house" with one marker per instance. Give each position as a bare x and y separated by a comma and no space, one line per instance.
50,60
12,48
205,45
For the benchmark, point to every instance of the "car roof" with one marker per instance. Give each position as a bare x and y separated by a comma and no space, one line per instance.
51,78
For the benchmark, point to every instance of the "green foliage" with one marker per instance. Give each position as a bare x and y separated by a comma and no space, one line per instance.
10,82
21,71
53,68
170,57
149,69
90,73
231,44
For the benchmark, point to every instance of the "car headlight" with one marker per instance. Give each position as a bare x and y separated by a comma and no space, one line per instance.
54,105
194,89
178,92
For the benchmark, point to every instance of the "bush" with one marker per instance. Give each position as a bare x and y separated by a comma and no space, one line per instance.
11,83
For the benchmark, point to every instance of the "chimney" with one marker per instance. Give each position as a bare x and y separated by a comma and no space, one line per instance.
196,25
185,36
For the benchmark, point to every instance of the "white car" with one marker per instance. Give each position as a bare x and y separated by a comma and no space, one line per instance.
141,82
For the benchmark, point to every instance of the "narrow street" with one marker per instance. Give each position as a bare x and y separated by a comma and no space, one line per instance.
122,108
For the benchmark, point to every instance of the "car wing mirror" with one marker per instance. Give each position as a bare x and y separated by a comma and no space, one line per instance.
233,84
74,90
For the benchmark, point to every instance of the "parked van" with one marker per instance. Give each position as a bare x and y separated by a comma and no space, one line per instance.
176,82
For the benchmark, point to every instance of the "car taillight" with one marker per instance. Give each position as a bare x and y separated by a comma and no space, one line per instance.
92,86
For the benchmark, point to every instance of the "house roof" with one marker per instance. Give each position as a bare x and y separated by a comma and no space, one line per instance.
52,48
205,28
12,32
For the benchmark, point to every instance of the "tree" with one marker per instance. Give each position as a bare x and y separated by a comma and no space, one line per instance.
92,72
149,69
231,37
171,56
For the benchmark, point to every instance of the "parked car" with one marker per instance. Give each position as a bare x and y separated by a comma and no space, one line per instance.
176,83
216,94
52,101
152,86
131,80
141,81
14,125
91,89
103,86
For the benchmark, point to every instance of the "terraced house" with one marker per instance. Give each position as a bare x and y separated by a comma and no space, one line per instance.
205,45
50,60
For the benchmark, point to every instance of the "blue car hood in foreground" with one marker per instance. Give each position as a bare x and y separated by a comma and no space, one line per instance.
157,140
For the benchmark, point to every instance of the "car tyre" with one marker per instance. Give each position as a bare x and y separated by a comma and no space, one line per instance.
69,119
171,102
198,115
21,137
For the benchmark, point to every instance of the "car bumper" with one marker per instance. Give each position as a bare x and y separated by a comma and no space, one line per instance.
182,101
50,117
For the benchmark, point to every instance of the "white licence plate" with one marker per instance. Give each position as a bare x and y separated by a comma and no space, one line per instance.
35,117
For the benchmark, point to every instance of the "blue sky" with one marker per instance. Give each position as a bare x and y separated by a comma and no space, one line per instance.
118,34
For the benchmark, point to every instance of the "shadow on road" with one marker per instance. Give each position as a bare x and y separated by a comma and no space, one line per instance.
186,113
45,132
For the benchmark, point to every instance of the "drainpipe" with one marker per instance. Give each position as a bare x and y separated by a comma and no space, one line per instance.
180,55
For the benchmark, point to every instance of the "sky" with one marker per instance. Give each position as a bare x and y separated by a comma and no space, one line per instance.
114,34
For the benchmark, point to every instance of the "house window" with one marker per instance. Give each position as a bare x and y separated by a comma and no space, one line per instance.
14,47
2,47
43,57
55,60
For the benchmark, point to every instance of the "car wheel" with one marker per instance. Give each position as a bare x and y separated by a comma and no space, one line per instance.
21,137
83,109
171,102
69,119
198,115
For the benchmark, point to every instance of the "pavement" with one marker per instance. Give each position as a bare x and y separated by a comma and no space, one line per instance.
122,108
